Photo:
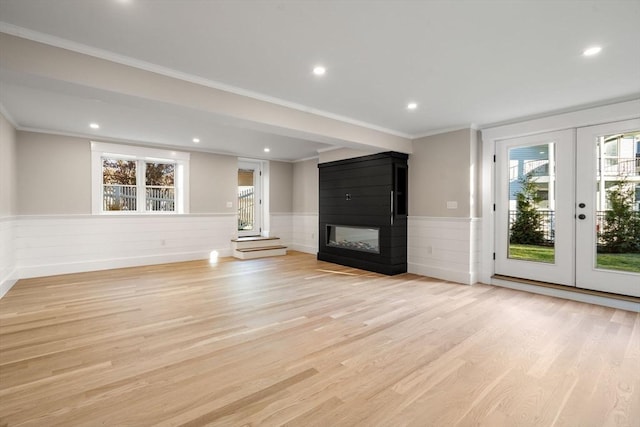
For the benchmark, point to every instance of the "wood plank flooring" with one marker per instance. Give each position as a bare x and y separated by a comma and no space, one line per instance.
298,342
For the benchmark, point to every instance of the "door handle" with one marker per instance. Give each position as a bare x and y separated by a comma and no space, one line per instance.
391,207
582,216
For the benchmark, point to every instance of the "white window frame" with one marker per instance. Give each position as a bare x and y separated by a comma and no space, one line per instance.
141,155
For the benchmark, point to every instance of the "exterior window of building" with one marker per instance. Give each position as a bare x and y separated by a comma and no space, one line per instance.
119,189
160,190
133,180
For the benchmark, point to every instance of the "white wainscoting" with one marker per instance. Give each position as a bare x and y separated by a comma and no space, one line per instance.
7,255
305,232
281,225
47,245
297,231
444,248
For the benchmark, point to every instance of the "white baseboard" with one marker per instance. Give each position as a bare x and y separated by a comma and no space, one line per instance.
474,277
107,264
304,248
7,283
463,277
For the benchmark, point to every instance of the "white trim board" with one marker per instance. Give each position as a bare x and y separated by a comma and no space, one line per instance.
113,263
7,254
588,117
7,284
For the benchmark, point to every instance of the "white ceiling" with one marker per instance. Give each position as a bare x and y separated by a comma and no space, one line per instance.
466,63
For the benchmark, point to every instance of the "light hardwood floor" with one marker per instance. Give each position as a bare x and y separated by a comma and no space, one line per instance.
298,342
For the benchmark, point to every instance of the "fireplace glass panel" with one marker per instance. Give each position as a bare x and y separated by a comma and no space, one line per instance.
355,238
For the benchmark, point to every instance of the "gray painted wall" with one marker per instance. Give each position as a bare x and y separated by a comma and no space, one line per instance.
280,187
8,172
476,167
213,180
213,177
440,170
305,186
54,174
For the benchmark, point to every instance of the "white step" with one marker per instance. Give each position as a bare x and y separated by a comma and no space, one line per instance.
254,242
262,252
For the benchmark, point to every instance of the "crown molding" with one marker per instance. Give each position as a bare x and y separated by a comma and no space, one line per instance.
8,116
472,126
59,42
306,159
332,148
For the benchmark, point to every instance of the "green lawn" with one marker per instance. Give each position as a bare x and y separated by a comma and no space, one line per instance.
532,253
623,262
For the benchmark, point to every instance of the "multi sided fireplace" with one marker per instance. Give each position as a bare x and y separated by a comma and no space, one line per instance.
363,212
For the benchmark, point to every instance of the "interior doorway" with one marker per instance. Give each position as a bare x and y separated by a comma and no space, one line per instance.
249,200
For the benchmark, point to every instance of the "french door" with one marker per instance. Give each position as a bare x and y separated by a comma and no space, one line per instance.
567,207
535,207
608,208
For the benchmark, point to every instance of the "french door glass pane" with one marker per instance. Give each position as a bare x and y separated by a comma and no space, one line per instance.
618,202
532,203
246,200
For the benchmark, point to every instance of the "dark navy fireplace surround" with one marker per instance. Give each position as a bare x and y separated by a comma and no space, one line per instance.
365,197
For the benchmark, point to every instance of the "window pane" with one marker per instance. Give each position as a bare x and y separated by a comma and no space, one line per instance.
118,185
611,148
532,203
618,202
160,174
246,197
160,187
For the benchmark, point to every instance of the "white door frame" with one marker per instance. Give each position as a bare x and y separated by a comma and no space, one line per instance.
257,167
588,117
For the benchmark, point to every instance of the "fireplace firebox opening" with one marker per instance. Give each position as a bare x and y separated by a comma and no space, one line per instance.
365,239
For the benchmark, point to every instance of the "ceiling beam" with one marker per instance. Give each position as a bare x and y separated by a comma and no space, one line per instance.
27,56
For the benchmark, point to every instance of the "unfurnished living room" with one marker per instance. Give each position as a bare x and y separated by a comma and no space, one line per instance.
319,213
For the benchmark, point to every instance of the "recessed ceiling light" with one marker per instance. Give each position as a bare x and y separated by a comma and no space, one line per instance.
319,70
412,106
94,126
196,140
267,149
593,50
